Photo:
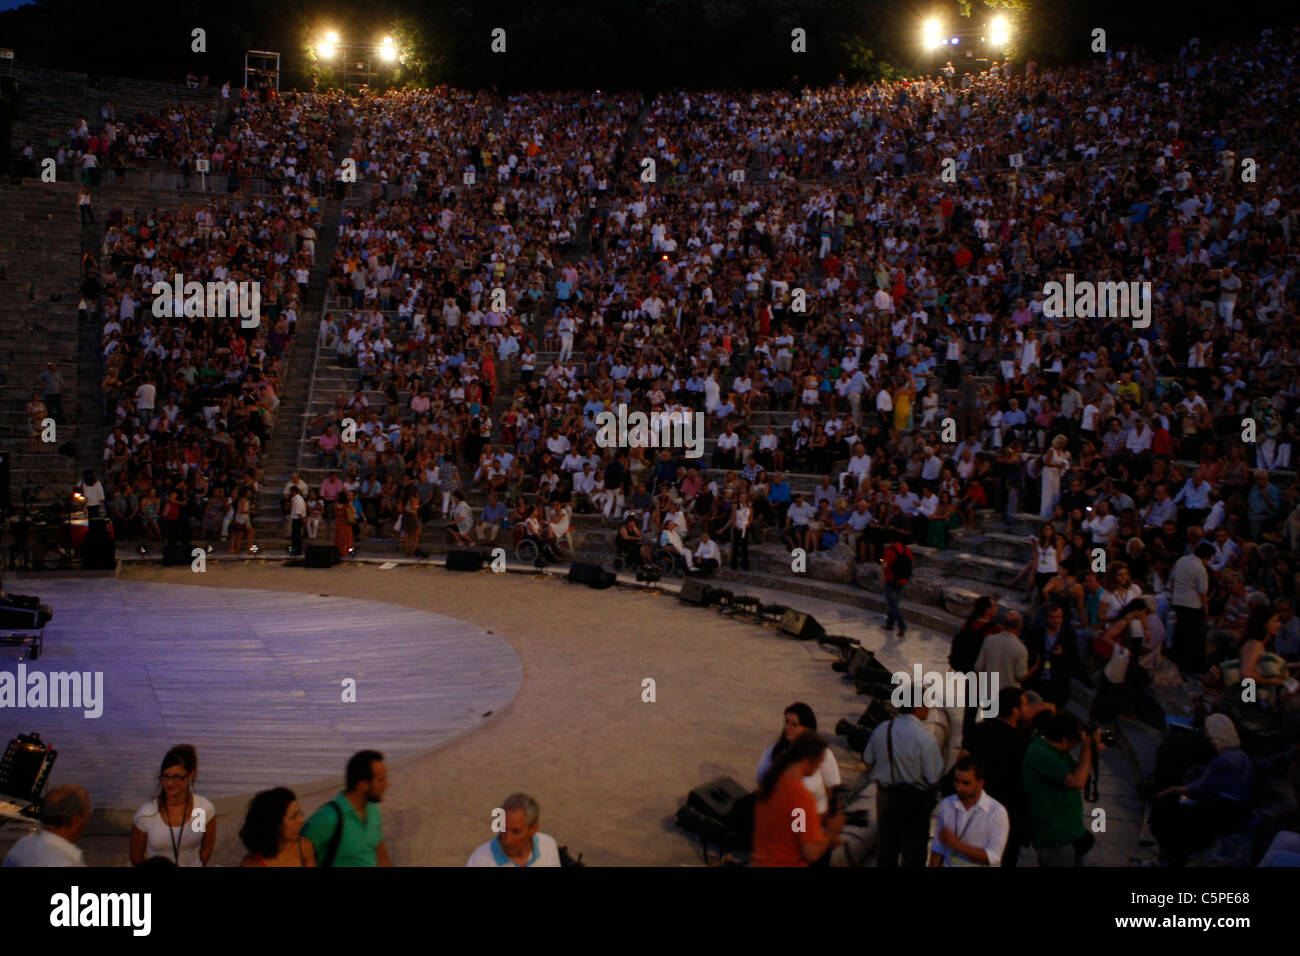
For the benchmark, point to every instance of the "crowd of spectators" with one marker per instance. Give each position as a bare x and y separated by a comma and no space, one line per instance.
849,312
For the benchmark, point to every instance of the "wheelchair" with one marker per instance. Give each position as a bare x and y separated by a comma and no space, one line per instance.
530,546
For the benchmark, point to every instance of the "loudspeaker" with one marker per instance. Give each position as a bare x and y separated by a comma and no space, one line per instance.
97,551
464,561
867,671
592,575
694,591
174,554
802,626
68,448
728,801
321,556
582,572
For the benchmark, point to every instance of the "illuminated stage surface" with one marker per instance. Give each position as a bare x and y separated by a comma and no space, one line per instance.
254,680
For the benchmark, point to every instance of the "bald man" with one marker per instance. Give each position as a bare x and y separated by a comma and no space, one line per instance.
65,815
1005,653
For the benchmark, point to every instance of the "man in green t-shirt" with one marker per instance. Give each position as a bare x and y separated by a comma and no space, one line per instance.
1054,782
349,830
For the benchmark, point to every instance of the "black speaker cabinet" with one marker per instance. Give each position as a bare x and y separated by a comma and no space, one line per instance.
321,556
694,591
592,575
176,554
464,561
801,625
97,550
727,800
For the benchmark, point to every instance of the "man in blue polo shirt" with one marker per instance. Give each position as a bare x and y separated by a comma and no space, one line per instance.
519,843
349,830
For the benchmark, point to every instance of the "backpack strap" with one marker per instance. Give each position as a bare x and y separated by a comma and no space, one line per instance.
332,848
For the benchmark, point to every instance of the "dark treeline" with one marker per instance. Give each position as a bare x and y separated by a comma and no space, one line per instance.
608,44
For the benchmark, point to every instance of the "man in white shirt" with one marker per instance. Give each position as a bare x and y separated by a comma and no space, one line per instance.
972,828
297,518
519,843
65,814
885,407
859,467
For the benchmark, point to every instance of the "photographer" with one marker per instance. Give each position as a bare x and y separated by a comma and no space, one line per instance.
1054,782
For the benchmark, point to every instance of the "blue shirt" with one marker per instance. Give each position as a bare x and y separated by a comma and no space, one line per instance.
1230,775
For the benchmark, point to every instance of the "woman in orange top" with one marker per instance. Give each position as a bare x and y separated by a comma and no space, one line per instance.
787,830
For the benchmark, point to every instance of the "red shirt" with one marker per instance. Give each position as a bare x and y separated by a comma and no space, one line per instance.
891,553
777,837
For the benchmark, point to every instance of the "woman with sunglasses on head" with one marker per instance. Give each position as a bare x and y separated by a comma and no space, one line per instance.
177,824
800,720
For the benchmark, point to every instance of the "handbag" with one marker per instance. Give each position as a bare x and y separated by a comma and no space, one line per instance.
912,802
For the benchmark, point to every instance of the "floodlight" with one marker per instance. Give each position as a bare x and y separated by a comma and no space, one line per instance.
931,34
332,37
1000,31
326,50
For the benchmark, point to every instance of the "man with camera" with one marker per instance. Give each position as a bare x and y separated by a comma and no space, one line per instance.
1054,782
905,764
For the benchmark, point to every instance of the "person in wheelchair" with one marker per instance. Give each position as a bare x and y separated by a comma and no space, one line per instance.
537,530
669,539
630,549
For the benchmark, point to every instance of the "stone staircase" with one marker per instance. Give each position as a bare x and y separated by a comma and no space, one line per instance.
282,453
40,274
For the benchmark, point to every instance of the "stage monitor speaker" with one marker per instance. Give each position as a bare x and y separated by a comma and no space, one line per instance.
694,591
321,556
727,800
175,554
464,561
592,575
97,550
25,767
801,625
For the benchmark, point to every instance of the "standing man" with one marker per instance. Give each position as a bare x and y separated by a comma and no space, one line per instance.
905,764
999,746
519,844
1189,585
65,816
897,565
51,381
1054,647
1054,783
1004,652
973,828
349,830
297,517
565,327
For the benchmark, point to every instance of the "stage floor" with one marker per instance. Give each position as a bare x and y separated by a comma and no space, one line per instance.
255,680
